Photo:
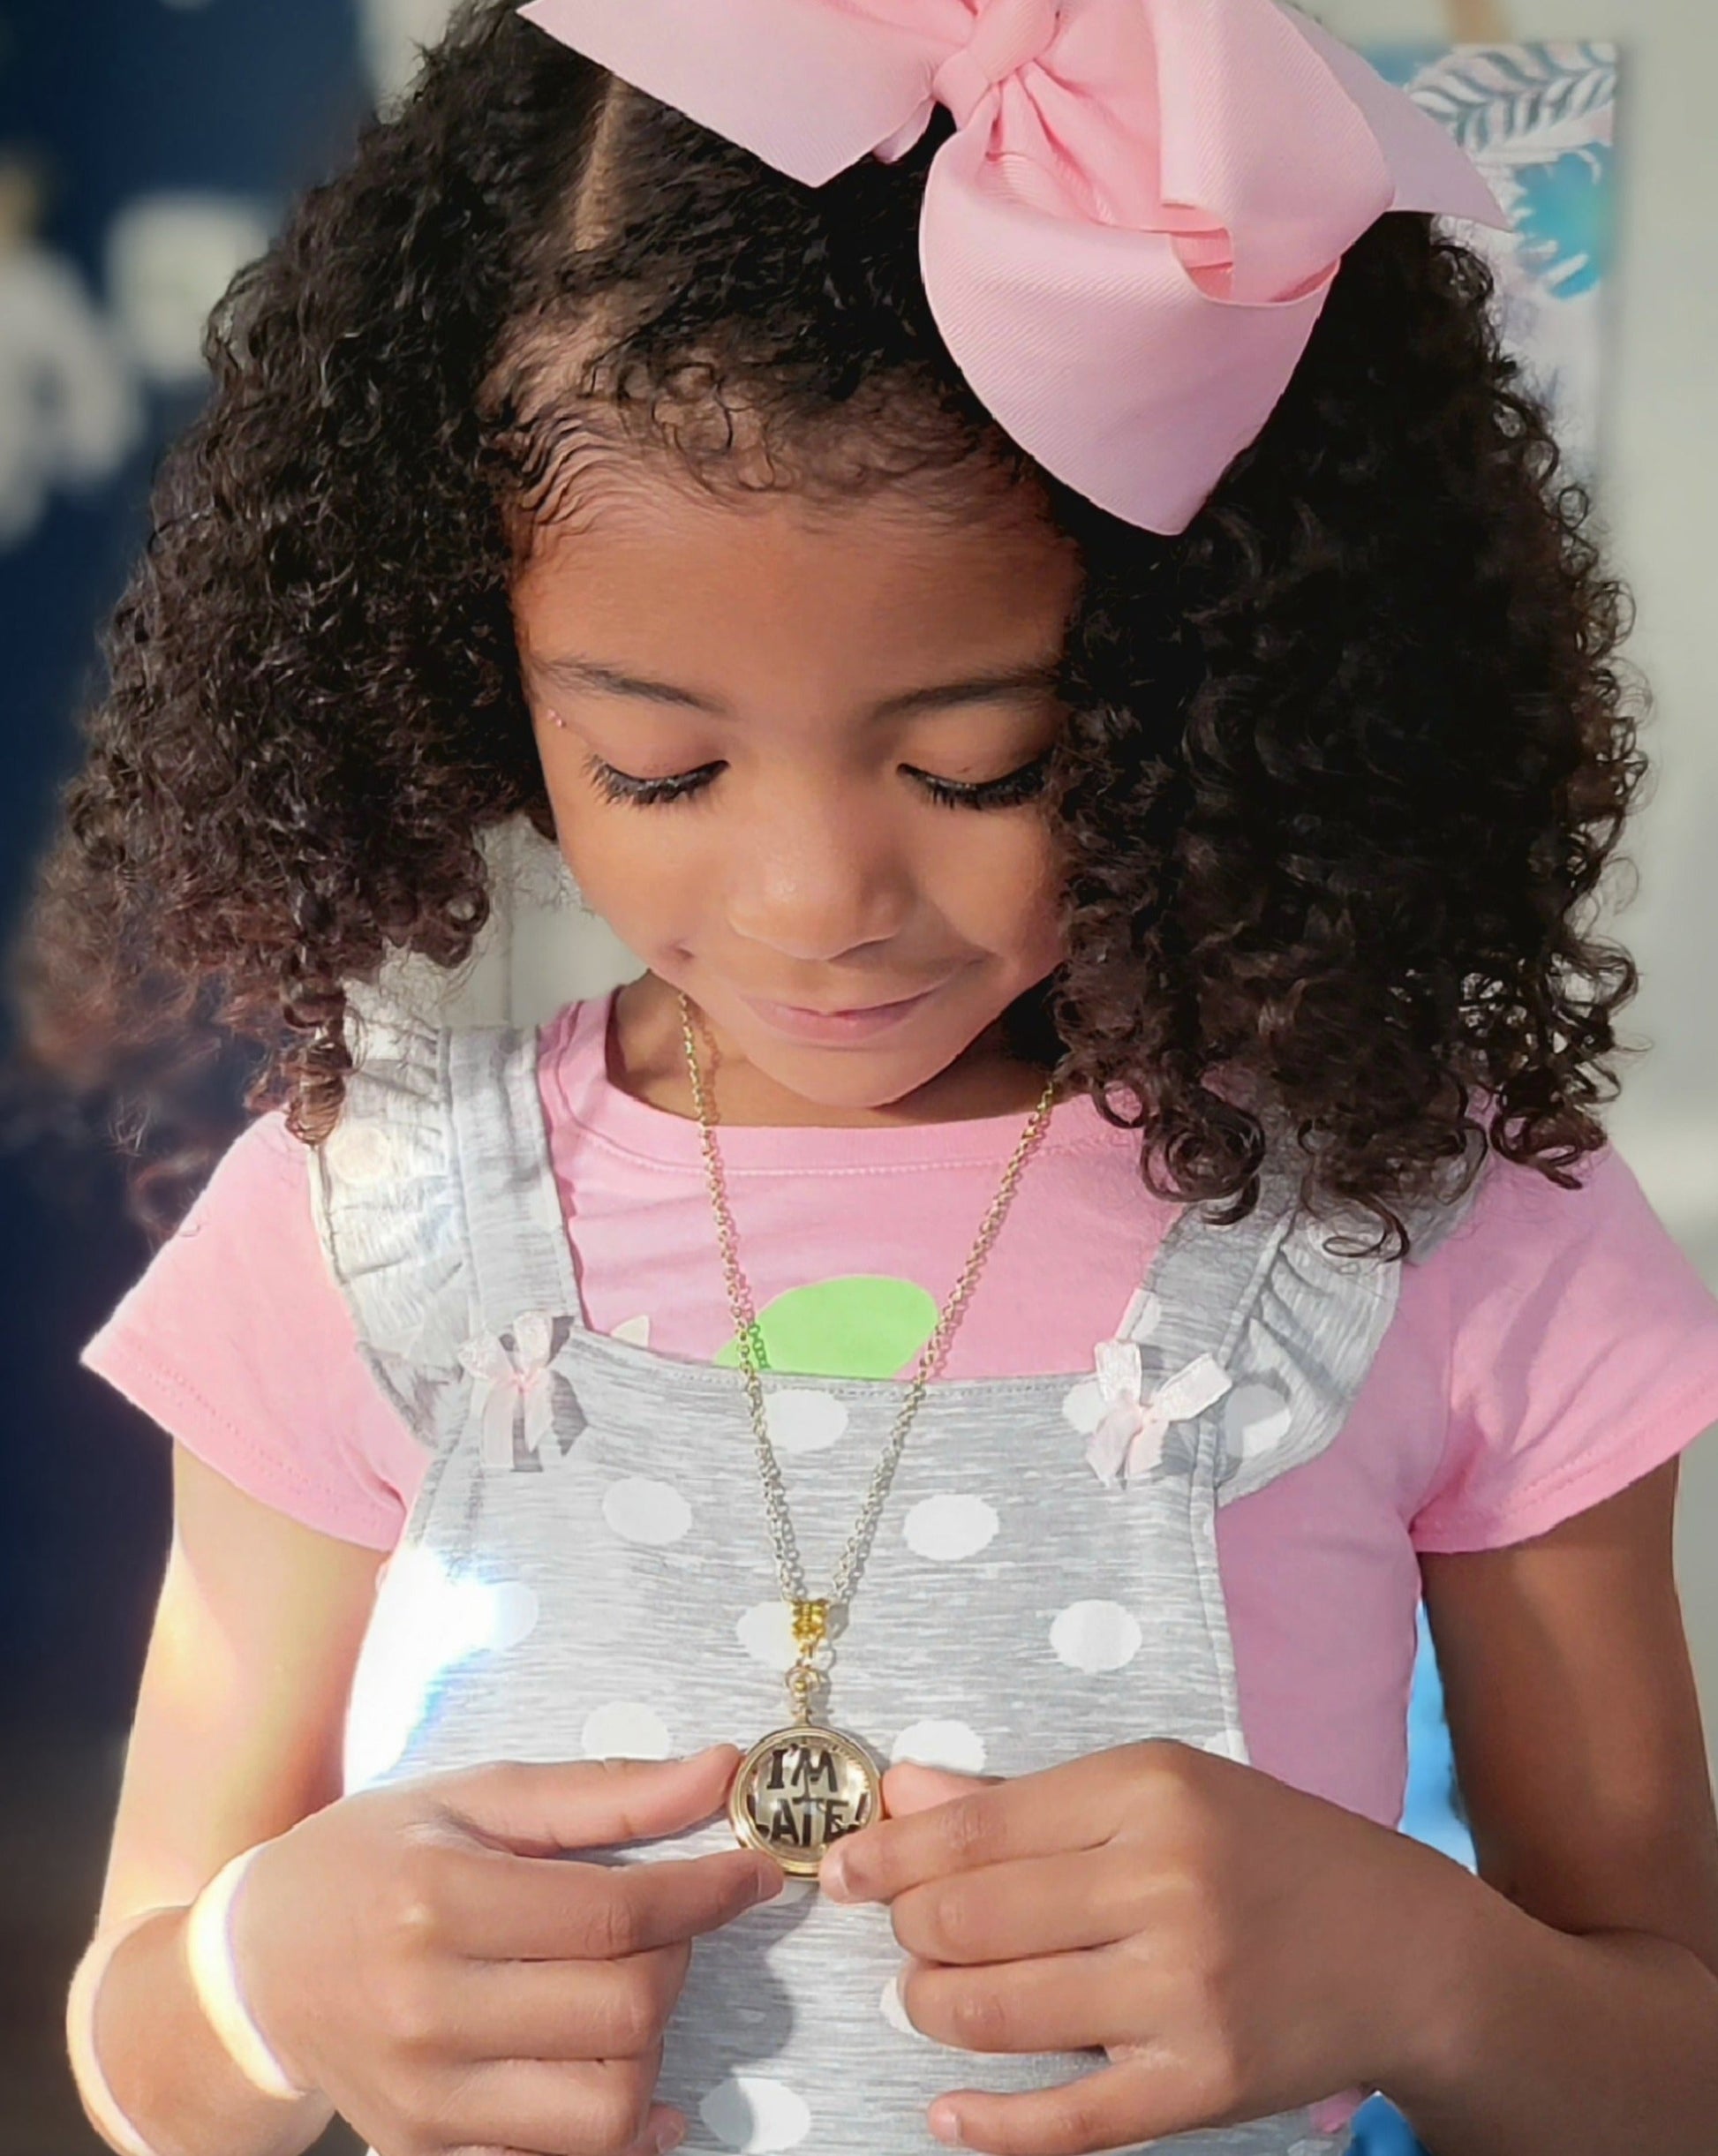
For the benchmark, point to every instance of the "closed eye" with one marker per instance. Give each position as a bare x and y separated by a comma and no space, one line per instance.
1003,792
1014,787
620,785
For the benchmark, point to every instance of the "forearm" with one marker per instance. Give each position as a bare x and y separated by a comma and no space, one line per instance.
1533,2042
169,2071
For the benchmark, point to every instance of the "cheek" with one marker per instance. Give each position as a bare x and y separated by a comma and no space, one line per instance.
627,862
1001,886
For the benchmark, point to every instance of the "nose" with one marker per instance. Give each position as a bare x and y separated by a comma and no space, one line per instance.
819,881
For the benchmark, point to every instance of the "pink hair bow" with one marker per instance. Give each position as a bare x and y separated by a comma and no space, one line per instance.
1128,238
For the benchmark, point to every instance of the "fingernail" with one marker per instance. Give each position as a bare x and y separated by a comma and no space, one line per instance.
946,2127
768,1883
836,1877
669,2135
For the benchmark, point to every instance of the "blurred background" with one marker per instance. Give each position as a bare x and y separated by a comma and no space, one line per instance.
146,148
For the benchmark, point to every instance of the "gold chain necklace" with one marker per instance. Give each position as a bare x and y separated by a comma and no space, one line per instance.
803,1786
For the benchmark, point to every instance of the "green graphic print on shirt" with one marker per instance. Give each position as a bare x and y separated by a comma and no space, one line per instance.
861,1325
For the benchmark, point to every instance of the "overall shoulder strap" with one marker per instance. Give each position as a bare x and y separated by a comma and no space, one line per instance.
385,1192
434,1196
1291,1320
521,1259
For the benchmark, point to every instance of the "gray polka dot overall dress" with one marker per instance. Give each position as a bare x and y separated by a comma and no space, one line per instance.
587,1570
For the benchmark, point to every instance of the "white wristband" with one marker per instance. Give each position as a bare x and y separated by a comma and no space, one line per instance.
215,1979
98,2099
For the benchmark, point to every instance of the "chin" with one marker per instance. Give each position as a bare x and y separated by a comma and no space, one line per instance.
850,1078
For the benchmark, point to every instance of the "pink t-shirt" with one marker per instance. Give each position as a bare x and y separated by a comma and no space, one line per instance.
1554,1349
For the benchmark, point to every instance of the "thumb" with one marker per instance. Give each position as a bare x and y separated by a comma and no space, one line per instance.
540,1807
911,1787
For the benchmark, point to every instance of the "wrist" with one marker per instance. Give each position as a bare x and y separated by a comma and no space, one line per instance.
218,1979
152,2077
89,2076
1452,1933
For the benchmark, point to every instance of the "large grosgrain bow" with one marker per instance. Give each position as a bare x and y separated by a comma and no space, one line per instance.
1130,1433
1127,240
511,1383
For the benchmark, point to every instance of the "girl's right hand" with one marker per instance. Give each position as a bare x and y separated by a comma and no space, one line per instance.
413,1952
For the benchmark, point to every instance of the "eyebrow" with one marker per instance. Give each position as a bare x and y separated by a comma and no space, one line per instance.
574,673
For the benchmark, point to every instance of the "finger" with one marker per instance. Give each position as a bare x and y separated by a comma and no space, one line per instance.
661,2132
1051,2002
538,1807
491,1907
1075,1806
1113,2108
910,1787
663,2129
552,2110
612,2009
1033,1905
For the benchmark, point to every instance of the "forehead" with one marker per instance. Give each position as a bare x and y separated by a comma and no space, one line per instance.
650,565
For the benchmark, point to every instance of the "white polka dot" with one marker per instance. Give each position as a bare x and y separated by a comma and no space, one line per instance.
766,1633
894,2013
752,2112
1096,1635
513,1613
953,1744
626,1729
636,1331
363,1153
1255,1418
803,1420
1227,1745
640,1510
947,1529
1083,1406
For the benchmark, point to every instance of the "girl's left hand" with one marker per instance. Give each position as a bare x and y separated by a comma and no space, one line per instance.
1238,1947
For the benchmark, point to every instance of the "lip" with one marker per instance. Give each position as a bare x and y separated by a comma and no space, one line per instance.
834,1027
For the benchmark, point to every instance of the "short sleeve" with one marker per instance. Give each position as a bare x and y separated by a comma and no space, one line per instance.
1583,1353
238,1343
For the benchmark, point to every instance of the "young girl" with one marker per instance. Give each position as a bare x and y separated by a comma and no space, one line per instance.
1000,542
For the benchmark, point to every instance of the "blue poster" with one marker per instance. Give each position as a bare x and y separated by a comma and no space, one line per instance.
1539,122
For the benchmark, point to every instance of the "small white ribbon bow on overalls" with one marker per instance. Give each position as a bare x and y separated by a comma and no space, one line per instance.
1130,1433
511,1382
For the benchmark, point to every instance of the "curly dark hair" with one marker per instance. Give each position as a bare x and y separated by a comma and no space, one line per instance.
1345,763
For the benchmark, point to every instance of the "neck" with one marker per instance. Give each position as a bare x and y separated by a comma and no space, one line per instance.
647,1059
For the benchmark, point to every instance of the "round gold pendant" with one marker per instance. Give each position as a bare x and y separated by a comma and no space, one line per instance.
799,1790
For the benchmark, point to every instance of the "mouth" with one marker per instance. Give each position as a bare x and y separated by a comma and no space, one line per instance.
859,1022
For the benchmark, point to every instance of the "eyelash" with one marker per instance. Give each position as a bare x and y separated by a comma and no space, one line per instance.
647,793
1013,787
